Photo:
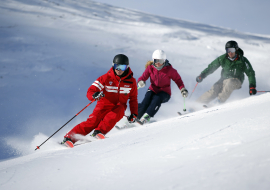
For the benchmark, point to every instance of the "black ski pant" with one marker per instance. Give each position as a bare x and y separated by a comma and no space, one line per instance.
152,102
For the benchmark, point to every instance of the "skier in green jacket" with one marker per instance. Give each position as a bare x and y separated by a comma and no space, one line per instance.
234,65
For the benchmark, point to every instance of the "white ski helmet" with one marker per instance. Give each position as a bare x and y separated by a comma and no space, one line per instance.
159,54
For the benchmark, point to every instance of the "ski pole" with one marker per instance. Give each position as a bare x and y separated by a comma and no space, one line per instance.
263,91
184,105
193,90
65,124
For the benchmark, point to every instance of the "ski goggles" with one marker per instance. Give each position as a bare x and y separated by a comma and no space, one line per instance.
230,50
120,67
159,61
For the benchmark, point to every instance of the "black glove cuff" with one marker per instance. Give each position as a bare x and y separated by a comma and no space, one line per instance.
252,86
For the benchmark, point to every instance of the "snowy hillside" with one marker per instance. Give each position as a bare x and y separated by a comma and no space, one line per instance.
51,51
224,147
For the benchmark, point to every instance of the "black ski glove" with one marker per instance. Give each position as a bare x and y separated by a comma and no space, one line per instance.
199,78
98,95
131,118
252,90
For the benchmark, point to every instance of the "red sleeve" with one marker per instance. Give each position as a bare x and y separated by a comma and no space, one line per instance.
133,99
145,74
176,78
97,86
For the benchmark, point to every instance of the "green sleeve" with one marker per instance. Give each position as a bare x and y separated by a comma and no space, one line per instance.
212,67
250,73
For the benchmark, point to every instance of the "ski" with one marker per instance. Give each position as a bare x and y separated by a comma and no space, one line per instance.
69,144
125,126
138,121
100,136
131,125
191,110
182,114
119,128
204,106
179,113
187,112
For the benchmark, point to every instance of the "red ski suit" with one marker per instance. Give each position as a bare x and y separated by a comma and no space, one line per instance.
111,108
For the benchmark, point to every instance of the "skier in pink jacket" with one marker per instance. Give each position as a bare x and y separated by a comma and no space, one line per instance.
160,72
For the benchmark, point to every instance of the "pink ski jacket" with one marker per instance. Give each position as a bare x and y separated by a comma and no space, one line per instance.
161,80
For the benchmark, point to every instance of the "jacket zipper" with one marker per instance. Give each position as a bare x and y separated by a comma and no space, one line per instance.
119,89
157,79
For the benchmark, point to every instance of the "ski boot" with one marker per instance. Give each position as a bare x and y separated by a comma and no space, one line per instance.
98,134
67,142
145,118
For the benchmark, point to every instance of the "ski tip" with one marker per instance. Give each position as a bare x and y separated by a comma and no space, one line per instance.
138,121
100,136
69,144
37,148
119,128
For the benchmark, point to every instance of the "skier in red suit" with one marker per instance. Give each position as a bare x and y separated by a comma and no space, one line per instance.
112,91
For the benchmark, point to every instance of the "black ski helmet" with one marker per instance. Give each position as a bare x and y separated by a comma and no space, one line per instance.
231,44
121,59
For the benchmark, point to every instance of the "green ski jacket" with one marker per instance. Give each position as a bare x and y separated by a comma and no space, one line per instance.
232,69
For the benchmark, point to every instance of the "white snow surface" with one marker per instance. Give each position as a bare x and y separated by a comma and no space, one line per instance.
224,147
52,51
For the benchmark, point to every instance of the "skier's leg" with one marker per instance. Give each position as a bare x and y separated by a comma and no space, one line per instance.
91,123
229,85
145,103
212,93
161,97
111,118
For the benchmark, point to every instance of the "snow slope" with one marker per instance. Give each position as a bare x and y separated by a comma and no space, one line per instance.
52,51
224,147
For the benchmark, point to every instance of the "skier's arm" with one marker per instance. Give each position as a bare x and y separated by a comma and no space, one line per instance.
250,73
212,67
133,99
97,86
145,75
174,75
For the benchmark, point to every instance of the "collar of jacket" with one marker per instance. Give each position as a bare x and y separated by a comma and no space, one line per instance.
233,59
162,66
